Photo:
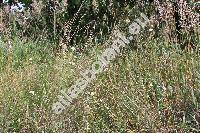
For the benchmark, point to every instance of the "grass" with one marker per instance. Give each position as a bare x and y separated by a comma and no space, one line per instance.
152,89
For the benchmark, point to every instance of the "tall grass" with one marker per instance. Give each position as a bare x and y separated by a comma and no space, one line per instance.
154,88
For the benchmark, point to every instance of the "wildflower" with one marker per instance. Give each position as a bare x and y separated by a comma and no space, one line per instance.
92,93
150,29
32,92
17,8
73,48
5,1
72,63
127,20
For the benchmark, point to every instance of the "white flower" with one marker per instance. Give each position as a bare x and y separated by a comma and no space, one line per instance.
92,93
73,48
5,1
32,92
127,20
30,59
17,8
150,29
72,63
21,7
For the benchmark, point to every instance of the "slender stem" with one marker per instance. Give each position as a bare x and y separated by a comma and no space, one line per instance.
54,26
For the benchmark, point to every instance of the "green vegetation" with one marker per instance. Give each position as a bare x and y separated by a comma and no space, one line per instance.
152,89
152,86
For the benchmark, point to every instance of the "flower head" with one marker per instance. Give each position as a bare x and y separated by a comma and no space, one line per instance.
19,7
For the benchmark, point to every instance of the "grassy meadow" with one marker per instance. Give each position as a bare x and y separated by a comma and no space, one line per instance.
154,88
